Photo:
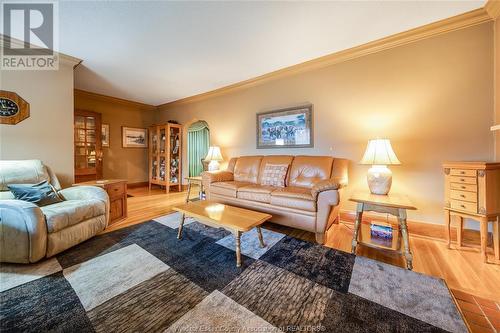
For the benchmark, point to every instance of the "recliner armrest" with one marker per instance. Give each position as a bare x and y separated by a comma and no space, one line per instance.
23,232
86,193
326,185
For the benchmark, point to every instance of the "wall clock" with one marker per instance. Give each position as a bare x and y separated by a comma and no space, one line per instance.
13,108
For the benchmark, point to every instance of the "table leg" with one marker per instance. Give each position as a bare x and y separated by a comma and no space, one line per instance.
496,237
459,231
201,191
483,230
357,224
237,236
181,225
406,241
261,239
189,191
447,221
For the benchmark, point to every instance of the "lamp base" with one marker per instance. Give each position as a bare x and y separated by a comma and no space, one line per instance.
213,166
379,179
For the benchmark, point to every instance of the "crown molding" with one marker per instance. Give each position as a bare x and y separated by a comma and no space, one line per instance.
111,99
63,58
453,23
492,7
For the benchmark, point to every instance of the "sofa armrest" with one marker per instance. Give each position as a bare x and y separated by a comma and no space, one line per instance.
326,185
86,193
210,177
328,209
23,232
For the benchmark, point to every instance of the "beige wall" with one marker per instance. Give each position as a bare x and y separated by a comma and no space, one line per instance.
48,133
432,98
118,162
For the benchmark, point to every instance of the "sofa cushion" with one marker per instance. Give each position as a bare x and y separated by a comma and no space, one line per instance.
295,203
294,192
273,159
227,189
306,170
246,169
41,194
274,175
259,193
294,197
70,212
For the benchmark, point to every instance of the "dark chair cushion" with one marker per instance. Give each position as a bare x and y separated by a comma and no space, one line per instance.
40,194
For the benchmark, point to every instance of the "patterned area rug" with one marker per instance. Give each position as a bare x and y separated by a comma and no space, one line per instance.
143,279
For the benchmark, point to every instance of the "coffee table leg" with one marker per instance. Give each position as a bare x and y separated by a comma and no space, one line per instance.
237,236
261,239
179,234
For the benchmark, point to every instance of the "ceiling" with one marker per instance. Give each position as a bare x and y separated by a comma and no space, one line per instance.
157,52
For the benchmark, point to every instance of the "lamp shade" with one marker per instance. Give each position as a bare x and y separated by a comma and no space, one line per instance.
379,152
213,154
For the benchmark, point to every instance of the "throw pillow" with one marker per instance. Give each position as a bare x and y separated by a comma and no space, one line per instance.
274,175
40,194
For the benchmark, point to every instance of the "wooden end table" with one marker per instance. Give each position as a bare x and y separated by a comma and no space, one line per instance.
117,192
234,219
394,204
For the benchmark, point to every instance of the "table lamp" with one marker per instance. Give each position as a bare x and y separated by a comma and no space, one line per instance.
214,156
379,154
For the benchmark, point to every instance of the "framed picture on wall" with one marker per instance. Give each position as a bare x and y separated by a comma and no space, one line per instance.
133,137
105,135
285,128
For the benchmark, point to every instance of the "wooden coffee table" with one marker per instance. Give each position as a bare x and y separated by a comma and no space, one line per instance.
234,219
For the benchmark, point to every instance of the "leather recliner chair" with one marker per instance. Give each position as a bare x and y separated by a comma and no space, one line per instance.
29,233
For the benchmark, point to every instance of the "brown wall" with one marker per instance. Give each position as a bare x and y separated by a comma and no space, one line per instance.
497,88
48,133
118,162
432,98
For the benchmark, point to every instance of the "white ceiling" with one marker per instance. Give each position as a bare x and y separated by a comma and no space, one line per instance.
156,52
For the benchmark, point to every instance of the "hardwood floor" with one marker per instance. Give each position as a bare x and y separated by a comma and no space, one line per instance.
462,270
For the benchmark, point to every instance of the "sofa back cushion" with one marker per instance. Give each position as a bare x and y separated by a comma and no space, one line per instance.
22,172
246,169
273,159
306,170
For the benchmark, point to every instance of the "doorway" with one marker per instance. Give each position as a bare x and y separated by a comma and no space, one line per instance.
88,146
198,141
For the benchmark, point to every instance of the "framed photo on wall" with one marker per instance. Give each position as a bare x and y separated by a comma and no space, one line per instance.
105,135
133,137
285,128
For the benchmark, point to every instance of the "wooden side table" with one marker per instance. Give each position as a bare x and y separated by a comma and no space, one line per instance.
117,192
194,180
394,204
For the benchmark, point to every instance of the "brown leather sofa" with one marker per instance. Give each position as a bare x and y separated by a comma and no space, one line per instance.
309,201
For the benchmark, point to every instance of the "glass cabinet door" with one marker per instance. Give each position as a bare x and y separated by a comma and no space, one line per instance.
88,153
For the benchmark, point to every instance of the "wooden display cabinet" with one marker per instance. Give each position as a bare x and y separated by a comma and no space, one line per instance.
165,156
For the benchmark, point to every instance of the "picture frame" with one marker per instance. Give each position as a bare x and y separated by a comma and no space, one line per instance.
105,135
286,128
134,137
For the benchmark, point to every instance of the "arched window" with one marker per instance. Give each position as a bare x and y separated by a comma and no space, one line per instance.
198,143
